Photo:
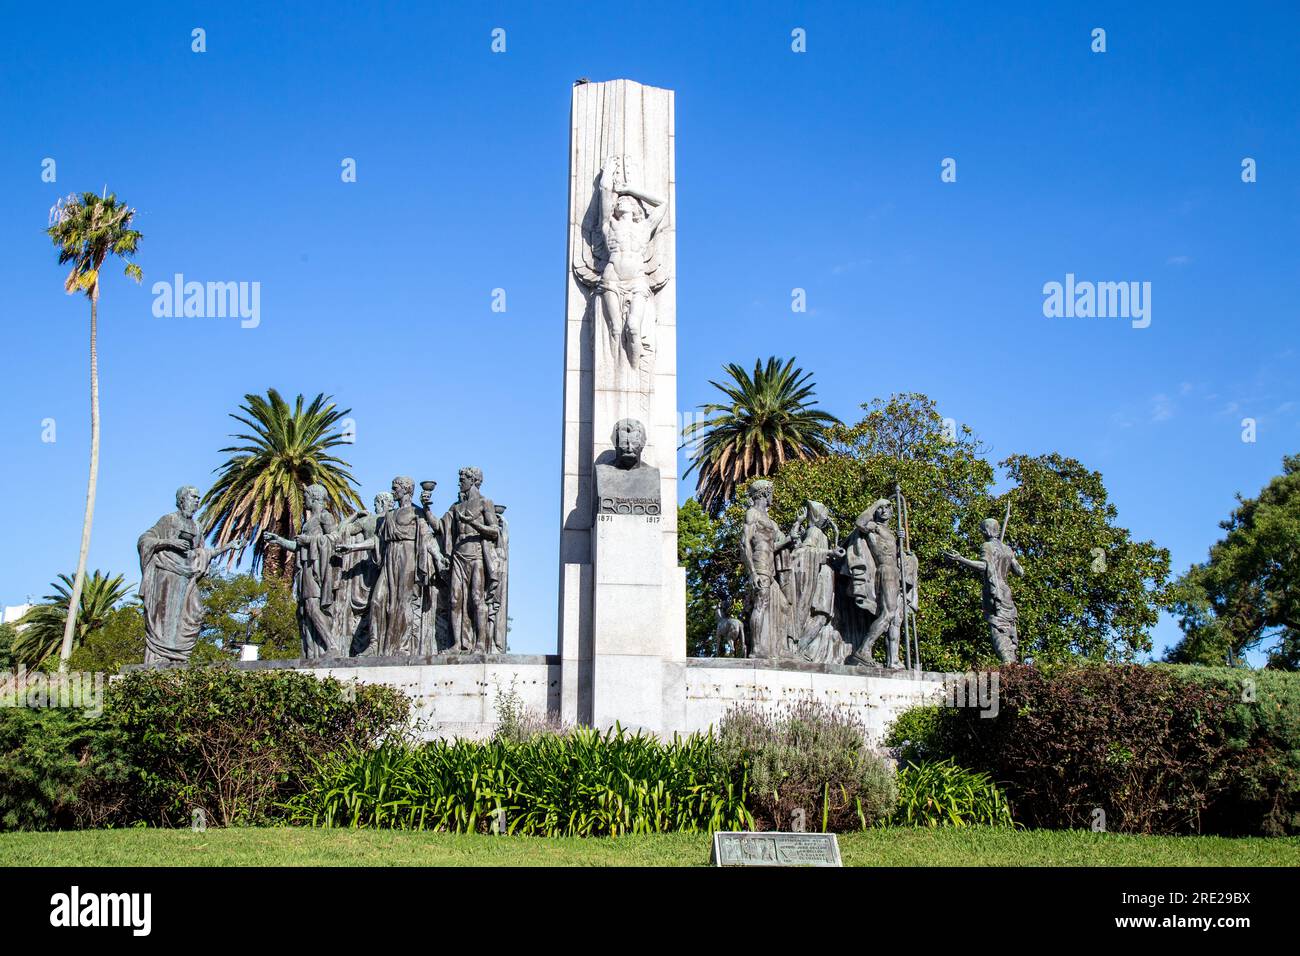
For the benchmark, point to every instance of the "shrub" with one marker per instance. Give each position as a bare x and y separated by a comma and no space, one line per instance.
807,757
580,783
1259,789
1137,742
59,769
917,734
234,743
515,722
942,794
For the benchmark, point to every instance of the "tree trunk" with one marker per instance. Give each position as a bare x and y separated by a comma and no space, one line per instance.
74,600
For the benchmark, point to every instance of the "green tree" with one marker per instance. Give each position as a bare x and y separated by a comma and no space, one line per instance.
87,229
240,608
1248,593
1089,590
768,419
8,634
118,642
260,486
714,577
41,629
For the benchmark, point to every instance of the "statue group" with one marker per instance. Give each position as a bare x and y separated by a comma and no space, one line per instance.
812,597
398,581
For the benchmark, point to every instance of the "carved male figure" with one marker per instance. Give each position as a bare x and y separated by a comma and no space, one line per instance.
470,533
315,575
629,218
997,563
172,562
880,592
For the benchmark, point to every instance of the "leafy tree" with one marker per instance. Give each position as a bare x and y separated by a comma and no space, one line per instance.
41,629
713,577
8,633
1089,590
87,229
1248,592
120,641
1059,513
260,487
769,419
240,608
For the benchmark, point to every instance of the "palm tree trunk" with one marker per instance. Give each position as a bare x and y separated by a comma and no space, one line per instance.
74,600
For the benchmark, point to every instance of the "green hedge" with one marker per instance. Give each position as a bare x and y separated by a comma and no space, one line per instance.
230,743
1155,749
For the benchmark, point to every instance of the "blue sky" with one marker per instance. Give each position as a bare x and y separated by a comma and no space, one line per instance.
817,170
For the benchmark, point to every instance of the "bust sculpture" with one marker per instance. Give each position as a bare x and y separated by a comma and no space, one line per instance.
626,485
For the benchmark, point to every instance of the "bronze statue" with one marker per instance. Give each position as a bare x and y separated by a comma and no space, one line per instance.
404,599
469,534
173,560
997,563
315,575
765,548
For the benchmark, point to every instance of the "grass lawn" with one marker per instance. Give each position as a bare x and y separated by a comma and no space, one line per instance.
894,847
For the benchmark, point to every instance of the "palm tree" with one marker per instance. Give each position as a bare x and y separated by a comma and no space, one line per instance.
86,229
260,486
768,420
41,629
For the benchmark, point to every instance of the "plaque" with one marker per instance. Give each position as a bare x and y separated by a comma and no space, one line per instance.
775,848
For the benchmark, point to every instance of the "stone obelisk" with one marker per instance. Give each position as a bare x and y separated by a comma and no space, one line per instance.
622,621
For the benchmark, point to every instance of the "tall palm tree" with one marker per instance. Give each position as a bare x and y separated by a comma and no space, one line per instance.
260,486
40,630
768,419
87,229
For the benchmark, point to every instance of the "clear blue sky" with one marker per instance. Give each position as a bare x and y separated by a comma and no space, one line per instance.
817,170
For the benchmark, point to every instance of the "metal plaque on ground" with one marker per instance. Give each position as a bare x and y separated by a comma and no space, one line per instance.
775,848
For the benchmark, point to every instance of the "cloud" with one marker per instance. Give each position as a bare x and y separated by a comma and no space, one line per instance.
1162,408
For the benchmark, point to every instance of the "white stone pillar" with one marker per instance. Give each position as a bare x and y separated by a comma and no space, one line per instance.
622,595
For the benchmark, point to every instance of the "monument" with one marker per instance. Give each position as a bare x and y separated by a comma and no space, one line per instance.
418,599
622,619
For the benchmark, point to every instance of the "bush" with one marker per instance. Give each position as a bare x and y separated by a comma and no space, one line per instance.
1259,789
917,734
1142,745
807,757
235,743
942,794
581,783
1158,748
59,769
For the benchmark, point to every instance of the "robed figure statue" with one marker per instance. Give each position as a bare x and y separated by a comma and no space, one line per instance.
173,561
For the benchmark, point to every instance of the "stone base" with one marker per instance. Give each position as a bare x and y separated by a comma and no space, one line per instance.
456,694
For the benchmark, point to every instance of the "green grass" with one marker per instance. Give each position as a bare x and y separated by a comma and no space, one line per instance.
890,847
